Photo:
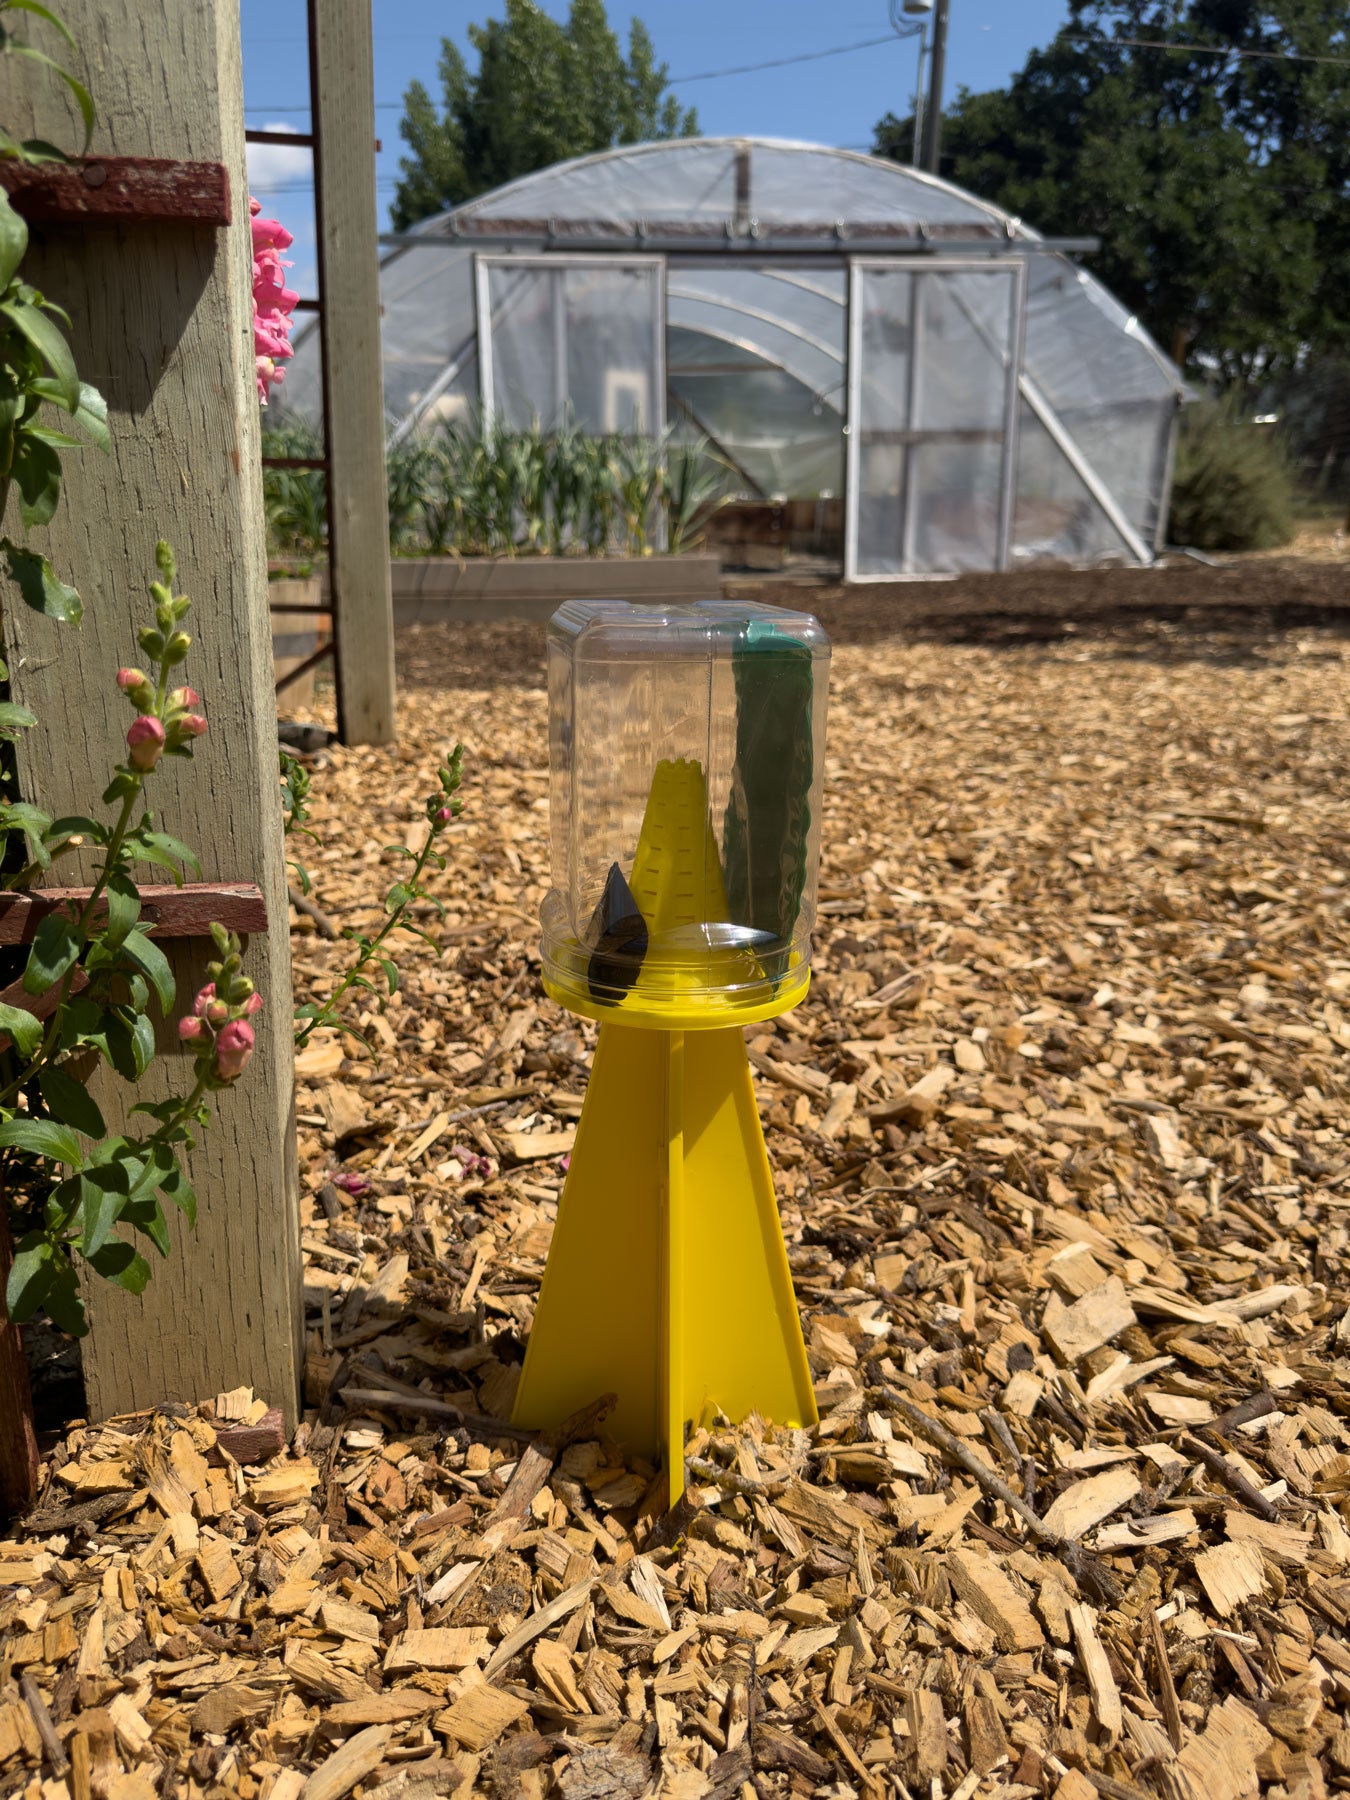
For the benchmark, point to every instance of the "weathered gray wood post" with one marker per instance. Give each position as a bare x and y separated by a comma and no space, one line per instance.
343,107
163,326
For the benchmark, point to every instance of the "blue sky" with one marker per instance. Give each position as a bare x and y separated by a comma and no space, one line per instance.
834,100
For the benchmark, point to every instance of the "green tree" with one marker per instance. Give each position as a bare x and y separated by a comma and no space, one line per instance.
1217,183
542,92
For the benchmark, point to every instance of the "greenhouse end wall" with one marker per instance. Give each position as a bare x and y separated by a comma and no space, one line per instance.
828,322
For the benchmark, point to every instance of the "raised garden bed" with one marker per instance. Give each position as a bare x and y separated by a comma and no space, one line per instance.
478,588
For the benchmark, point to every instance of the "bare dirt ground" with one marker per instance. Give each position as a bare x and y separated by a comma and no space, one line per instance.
1059,1140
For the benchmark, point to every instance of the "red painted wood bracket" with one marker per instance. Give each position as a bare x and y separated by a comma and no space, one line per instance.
118,189
166,911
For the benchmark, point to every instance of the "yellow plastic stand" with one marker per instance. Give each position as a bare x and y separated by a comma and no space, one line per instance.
668,1281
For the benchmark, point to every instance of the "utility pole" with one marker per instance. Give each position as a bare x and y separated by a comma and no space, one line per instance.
932,124
916,158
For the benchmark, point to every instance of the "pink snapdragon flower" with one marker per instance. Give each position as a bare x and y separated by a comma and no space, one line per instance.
234,1046
145,743
190,1029
273,301
204,998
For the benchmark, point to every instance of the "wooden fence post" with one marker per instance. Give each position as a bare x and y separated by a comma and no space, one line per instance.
343,120
162,316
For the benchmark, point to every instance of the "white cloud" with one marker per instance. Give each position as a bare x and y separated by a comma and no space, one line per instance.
273,166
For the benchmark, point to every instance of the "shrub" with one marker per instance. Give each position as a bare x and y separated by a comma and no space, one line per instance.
1232,487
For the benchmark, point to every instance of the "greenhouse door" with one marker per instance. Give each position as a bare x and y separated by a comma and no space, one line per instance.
574,340
934,356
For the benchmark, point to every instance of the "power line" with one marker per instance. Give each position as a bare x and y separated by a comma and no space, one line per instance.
781,62
1073,37
777,62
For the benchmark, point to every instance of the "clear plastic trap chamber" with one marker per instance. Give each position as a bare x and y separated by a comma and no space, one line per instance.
687,749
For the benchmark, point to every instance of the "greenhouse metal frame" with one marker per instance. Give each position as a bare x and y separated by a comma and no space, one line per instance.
831,323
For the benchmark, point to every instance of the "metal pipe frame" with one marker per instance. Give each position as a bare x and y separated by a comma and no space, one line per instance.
1068,446
754,312
913,403
1007,498
835,245
1091,480
852,443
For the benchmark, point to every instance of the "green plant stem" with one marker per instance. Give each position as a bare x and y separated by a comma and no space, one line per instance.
369,951
185,1112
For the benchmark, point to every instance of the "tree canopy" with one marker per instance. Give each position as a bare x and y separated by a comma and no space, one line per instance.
1217,181
542,92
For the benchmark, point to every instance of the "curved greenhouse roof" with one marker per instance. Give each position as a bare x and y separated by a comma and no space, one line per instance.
832,322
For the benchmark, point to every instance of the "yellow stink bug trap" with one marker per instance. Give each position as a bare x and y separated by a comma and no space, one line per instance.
687,750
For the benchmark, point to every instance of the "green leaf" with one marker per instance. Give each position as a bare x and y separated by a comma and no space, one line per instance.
57,440
124,908
147,1215
142,1044
25,1030
118,788
152,963
77,88
390,973
30,1276
114,1037
36,580
101,1206
34,824
42,1137
48,340
42,12
64,1302
14,719
37,475
38,150
164,846
71,1102
13,241
56,945
91,415
175,1186
71,825
118,1262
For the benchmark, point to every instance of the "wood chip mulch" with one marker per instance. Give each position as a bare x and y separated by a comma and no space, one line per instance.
1060,1143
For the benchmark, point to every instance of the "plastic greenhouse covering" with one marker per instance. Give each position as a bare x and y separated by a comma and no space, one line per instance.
832,323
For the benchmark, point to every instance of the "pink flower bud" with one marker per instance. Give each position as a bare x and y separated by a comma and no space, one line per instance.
191,725
352,1184
129,679
217,1013
234,1046
190,1029
443,815
145,741
204,999
184,697
253,1005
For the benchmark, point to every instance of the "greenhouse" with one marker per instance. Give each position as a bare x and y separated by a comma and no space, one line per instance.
830,323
